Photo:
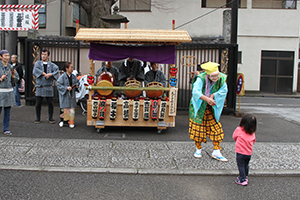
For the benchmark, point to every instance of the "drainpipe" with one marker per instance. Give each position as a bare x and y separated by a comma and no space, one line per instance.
61,18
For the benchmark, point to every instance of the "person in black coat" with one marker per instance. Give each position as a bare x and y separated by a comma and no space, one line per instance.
18,67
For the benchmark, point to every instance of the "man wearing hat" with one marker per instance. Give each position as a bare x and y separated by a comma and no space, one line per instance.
7,97
209,90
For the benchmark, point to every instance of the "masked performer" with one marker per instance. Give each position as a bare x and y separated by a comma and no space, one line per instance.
66,86
206,105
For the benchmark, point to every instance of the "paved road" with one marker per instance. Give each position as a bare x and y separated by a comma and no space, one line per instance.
54,185
286,108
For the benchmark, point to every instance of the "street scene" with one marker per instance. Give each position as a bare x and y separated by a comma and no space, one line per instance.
142,161
141,99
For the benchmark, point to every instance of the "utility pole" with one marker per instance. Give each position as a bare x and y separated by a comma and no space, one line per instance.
234,52
11,36
234,21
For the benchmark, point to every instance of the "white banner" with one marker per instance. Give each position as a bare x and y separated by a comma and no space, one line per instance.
19,17
16,20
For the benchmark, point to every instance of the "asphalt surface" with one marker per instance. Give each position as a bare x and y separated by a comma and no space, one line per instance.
47,147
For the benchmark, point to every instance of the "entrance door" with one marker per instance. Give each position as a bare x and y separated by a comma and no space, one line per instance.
277,69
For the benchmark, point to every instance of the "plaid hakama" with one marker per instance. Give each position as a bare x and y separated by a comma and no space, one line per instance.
208,128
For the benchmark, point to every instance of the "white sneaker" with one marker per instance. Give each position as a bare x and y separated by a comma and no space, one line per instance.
71,125
61,124
218,156
198,153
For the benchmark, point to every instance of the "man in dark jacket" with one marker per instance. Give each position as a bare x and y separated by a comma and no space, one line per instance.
18,67
131,69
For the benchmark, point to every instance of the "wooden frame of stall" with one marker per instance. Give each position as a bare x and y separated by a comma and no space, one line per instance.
132,36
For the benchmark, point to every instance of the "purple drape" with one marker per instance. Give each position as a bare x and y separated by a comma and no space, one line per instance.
164,54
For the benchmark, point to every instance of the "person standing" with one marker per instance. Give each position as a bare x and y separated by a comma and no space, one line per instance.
206,105
7,98
244,136
45,73
18,67
66,86
131,69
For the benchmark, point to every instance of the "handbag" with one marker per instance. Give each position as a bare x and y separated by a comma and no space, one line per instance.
22,85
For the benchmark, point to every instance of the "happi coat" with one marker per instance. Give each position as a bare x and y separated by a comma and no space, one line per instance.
198,106
44,86
67,99
7,95
137,71
159,77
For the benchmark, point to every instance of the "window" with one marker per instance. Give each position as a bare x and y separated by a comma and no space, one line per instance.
274,4
239,57
80,14
42,13
135,5
218,3
277,68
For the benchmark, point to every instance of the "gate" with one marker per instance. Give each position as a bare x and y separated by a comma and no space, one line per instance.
61,51
190,55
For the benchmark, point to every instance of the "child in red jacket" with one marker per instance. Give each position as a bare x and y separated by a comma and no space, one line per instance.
244,135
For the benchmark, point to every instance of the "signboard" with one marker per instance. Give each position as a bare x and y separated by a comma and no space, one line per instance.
173,101
19,17
240,90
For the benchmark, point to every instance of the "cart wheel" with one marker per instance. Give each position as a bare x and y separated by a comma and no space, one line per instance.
159,131
98,130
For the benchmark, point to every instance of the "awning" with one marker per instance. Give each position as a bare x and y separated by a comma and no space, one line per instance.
132,36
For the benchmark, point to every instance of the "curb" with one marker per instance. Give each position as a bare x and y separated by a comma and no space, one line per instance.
150,171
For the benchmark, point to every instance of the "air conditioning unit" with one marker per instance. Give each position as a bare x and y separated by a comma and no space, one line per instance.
289,4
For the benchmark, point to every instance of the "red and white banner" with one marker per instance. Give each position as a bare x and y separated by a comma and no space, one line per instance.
19,17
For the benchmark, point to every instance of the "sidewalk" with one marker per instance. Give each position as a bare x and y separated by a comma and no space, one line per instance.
141,157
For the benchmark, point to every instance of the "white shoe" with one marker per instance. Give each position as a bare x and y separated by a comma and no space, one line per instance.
218,156
198,153
71,125
61,124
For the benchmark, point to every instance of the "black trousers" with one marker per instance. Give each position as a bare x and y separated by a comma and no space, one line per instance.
243,165
38,107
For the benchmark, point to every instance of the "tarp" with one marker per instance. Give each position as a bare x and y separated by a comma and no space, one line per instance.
164,54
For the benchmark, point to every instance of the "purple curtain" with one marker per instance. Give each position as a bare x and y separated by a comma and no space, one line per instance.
164,54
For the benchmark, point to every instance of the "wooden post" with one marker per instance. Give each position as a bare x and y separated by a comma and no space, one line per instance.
91,72
173,24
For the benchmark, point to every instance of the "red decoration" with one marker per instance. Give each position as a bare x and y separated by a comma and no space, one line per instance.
90,79
173,71
154,109
102,108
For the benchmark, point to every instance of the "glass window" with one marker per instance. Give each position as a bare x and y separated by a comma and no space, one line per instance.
268,67
218,3
135,5
42,13
75,12
274,4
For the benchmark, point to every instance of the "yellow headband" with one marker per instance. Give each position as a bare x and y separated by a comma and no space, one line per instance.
210,67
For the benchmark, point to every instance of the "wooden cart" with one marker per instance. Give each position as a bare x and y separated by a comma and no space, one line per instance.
155,39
